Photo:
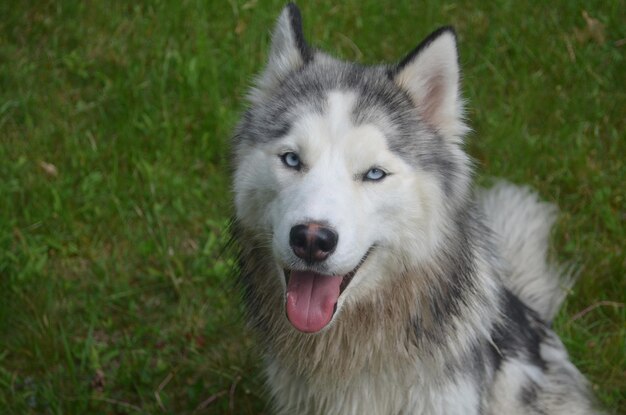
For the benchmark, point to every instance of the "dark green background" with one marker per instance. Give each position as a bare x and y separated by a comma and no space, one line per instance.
114,126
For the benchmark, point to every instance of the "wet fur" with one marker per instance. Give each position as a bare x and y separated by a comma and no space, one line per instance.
458,325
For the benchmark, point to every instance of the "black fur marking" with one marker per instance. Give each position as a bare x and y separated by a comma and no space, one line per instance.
264,124
520,334
295,21
379,101
411,139
528,397
480,370
250,264
423,45
437,158
377,95
455,284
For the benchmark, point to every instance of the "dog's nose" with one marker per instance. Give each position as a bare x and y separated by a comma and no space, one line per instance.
313,242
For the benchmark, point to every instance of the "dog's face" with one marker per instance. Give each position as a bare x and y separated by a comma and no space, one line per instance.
345,170
330,193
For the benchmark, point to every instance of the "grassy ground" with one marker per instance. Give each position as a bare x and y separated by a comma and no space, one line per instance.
114,126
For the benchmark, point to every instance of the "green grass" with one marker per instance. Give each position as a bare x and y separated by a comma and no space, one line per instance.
114,297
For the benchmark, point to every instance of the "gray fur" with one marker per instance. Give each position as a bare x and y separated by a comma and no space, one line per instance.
380,101
461,331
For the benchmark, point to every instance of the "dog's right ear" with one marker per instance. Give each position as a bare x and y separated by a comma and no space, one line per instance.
288,51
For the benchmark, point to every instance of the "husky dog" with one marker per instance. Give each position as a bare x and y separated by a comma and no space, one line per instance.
377,280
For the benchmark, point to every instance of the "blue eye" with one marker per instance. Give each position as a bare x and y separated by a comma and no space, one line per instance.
291,160
374,174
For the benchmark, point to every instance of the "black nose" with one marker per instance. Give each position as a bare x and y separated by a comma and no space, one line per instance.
313,242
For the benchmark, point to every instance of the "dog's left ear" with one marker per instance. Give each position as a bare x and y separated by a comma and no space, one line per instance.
288,51
430,75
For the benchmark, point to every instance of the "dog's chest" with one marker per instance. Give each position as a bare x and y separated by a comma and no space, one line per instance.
372,393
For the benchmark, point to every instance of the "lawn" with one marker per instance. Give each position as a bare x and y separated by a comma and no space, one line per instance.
116,296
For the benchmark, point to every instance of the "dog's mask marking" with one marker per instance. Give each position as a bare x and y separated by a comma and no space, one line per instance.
337,142
337,154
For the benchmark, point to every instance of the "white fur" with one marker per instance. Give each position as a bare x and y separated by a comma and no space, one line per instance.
522,223
386,394
370,359
400,214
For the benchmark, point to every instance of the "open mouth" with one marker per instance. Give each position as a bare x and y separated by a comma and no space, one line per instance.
312,297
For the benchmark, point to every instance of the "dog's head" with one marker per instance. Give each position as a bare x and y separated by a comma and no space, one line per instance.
347,171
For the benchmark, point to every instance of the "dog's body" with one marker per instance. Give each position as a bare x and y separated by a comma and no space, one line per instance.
378,282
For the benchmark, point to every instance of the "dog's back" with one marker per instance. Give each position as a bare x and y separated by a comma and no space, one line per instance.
535,374
521,225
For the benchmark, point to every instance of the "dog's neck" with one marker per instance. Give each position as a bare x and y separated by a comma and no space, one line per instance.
418,318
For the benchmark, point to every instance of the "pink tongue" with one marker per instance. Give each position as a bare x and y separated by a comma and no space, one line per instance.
311,299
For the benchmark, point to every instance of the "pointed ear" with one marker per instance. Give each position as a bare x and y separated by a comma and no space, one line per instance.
430,75
288,51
